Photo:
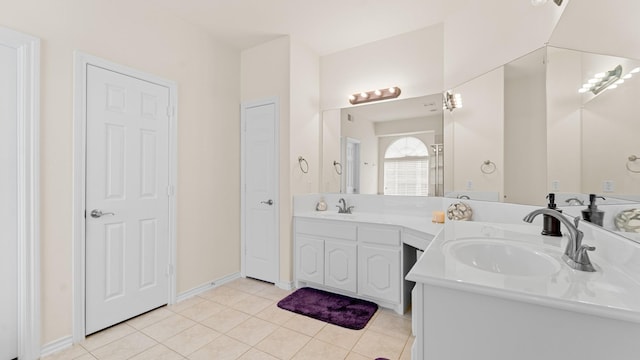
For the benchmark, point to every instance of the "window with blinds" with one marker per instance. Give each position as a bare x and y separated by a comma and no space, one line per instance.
406,168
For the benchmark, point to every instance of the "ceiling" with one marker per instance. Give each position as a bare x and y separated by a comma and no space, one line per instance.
326,26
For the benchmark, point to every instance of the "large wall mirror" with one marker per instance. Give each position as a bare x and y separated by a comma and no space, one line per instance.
555,120
393,148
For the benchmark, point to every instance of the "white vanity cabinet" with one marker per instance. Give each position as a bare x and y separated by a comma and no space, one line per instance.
356,259
340,265
310,255
379,262
326,255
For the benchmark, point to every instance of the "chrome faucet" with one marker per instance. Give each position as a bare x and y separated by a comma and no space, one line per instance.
575,254
343,209
574,201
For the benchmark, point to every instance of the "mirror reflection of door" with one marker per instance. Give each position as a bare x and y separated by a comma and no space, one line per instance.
351,171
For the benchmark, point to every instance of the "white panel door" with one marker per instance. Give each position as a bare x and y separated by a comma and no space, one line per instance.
8,204
379,272
340,265
260,232
127,204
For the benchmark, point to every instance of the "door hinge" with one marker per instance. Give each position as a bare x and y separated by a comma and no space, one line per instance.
169,190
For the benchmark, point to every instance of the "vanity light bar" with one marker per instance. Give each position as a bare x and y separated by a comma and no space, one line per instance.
601,81
375,95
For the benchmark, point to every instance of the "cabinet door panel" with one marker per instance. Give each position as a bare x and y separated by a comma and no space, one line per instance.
379,272
310,259
340,265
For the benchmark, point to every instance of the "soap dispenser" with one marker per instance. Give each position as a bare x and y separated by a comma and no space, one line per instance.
591,213
551,225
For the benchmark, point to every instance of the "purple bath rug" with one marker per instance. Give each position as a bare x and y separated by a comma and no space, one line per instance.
329,307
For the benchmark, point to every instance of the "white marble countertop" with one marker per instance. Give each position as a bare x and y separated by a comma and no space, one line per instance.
418,223
609,292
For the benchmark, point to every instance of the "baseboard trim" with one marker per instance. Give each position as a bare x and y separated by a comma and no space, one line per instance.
285,285
56,345
207,286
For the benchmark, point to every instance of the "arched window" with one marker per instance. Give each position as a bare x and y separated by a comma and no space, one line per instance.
406,167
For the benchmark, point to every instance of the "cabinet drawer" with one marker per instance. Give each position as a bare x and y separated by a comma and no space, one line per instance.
327,228
382,235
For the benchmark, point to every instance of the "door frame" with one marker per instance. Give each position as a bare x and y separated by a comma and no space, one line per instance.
28,201
81,61
276,196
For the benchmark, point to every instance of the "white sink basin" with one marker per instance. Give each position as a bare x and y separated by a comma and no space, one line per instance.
503,257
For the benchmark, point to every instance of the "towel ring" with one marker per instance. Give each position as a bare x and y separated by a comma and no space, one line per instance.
337,167
488,167
305,167
631,159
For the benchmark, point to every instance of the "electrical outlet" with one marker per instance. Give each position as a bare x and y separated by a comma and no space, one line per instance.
555,185
469,184
608,186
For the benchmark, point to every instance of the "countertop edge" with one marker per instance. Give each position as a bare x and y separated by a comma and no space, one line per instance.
580,307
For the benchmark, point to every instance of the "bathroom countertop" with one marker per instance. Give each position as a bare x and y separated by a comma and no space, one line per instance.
609,292
421,224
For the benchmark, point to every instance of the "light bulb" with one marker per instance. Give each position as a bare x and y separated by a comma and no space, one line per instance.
538,2
621,81
352,98
364,95
593,81
635,70
378,92
628,76
599,75
392,90
583,90
611,87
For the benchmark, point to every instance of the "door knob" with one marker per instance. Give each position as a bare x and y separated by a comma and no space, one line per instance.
95,213
268,202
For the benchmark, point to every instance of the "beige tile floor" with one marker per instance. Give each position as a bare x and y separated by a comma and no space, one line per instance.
240,320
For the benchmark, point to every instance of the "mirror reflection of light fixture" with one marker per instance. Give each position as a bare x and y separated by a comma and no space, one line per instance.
601,81
375,95
451,101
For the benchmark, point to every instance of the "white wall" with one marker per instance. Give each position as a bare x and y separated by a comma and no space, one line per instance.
304,137
564,129
289,70
475,133
408,126
207,73
604,27
412,61
487,34
305,118
265,74
525,130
